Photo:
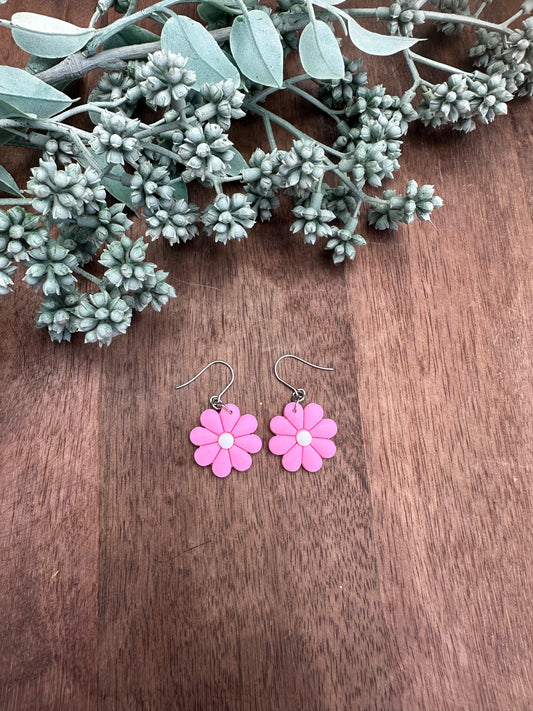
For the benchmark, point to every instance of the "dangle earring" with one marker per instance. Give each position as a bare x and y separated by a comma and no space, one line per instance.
302,435
226,438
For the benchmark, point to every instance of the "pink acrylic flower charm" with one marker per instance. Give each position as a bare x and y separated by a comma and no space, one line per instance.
302,436
226,440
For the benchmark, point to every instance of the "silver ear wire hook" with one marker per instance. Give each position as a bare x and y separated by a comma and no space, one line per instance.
298,394
215,400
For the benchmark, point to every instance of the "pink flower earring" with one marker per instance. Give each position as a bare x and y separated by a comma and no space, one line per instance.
302,435
226,438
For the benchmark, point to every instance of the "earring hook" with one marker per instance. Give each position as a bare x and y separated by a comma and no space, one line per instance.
215,400
298,394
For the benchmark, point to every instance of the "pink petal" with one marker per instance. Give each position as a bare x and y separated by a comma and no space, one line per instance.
313,413
199,435
292,460
280,426
250,443
206,454
240,460
311,460
325,447
229,419
222,464
246,425
210,419
280,444
295,417
325,428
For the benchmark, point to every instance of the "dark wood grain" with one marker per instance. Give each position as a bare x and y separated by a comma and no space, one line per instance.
398,577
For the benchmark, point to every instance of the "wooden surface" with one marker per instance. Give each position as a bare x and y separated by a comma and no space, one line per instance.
398,577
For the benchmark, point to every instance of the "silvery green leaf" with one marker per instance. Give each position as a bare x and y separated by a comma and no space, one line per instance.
8,111
179,190
23,94
7,184
340,15
375,43
329,5
189,38
257,48
112,181
133,34
116,188
236,164
40,64
211,12
5,137
47,36
320,53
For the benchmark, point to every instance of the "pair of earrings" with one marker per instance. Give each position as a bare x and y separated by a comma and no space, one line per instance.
226,440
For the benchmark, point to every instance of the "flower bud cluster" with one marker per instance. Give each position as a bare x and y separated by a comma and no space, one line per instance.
229,217
461,100
125,264
59,314
341,202
19,232
164,80
103,315
222,103
65,194
154,292
373,103
84,236
301,169
454,7
7,269
369,163
404,15
205,151
343,244
50,268
115,137
510,57
340,93
260,183
313,220
417,202
150,185
176,221
114,86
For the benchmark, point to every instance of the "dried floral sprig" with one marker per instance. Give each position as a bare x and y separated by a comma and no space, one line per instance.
73,210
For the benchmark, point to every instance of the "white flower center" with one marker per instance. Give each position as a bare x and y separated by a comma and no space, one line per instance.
226,440
304,438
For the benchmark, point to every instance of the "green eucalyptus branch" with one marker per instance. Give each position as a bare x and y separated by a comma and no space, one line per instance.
90,180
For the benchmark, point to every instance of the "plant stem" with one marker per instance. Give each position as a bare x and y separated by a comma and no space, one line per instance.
361,196
312,100
95,106
89,277
270,133
436,65
133,6
261,95
16,201
162,151
480,9
417,79
104,34
512,18
79,64
432,16
265,113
